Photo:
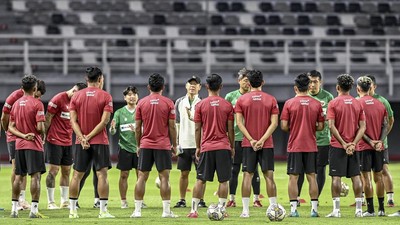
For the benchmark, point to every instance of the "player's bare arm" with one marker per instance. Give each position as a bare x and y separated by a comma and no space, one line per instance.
360,132
243,129
285,125
270,130
77,130
172,134
320,126
197,134
231,136
5,119
105,119
47,123
138,134
16,132
336,134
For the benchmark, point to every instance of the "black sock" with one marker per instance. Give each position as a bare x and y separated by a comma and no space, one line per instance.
370,205
381,204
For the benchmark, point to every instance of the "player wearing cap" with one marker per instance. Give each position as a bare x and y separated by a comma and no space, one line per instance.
156,114
214,148
232,97
27,124
302,116
370,148
257,118
347,124
59,144
184,108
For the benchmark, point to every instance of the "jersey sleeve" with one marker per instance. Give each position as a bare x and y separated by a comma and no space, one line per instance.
40,112
172,111
275,107
54,105
177,112
331,111
285,111
116,118
230,115
238,106
388,108
197,113
72,104
321,117
108,103
138,114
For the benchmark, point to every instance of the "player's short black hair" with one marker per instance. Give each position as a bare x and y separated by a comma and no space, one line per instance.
93,73
345,82
255,78
214,82
130,88
156,82
28,83
315,73
364,83
81,85
372,77
301,82
41,86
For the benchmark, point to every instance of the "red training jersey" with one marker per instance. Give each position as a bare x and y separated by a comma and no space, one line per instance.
347,113
155,111
89,105
26,113
257,107
302,113
60,131
375,113
11,99
213,113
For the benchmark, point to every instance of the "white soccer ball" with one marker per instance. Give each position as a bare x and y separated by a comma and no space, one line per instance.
215,213
276,212
344,189
158,182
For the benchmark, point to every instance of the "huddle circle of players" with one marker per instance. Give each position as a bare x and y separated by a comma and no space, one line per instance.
219,135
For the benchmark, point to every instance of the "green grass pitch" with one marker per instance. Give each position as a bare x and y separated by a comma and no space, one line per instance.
152,215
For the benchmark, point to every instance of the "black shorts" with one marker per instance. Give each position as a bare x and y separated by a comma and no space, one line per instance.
219,161
186,159
29,162
126,160
59,155
386,156
343,165
264,157
238,158
11,150
301,162
323,155
99,155
147,157
371,160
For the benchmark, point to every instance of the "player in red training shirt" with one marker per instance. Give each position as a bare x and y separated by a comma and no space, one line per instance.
27,124
90,111
302,116
59,144
257,118
155,114
347,124
214,148
371,147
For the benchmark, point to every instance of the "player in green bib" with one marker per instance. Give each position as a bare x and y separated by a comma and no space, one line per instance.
387,177
323,137
124,123
232,97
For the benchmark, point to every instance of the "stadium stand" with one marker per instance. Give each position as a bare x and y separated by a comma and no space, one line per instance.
171,36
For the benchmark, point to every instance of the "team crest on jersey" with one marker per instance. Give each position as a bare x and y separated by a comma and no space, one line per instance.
173,111
110,104
256,97
51,104
322,103
90,93
214,103
348,101
126,119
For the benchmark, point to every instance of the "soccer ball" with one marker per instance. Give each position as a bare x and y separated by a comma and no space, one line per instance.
276,212
215,213
158,182
344,189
